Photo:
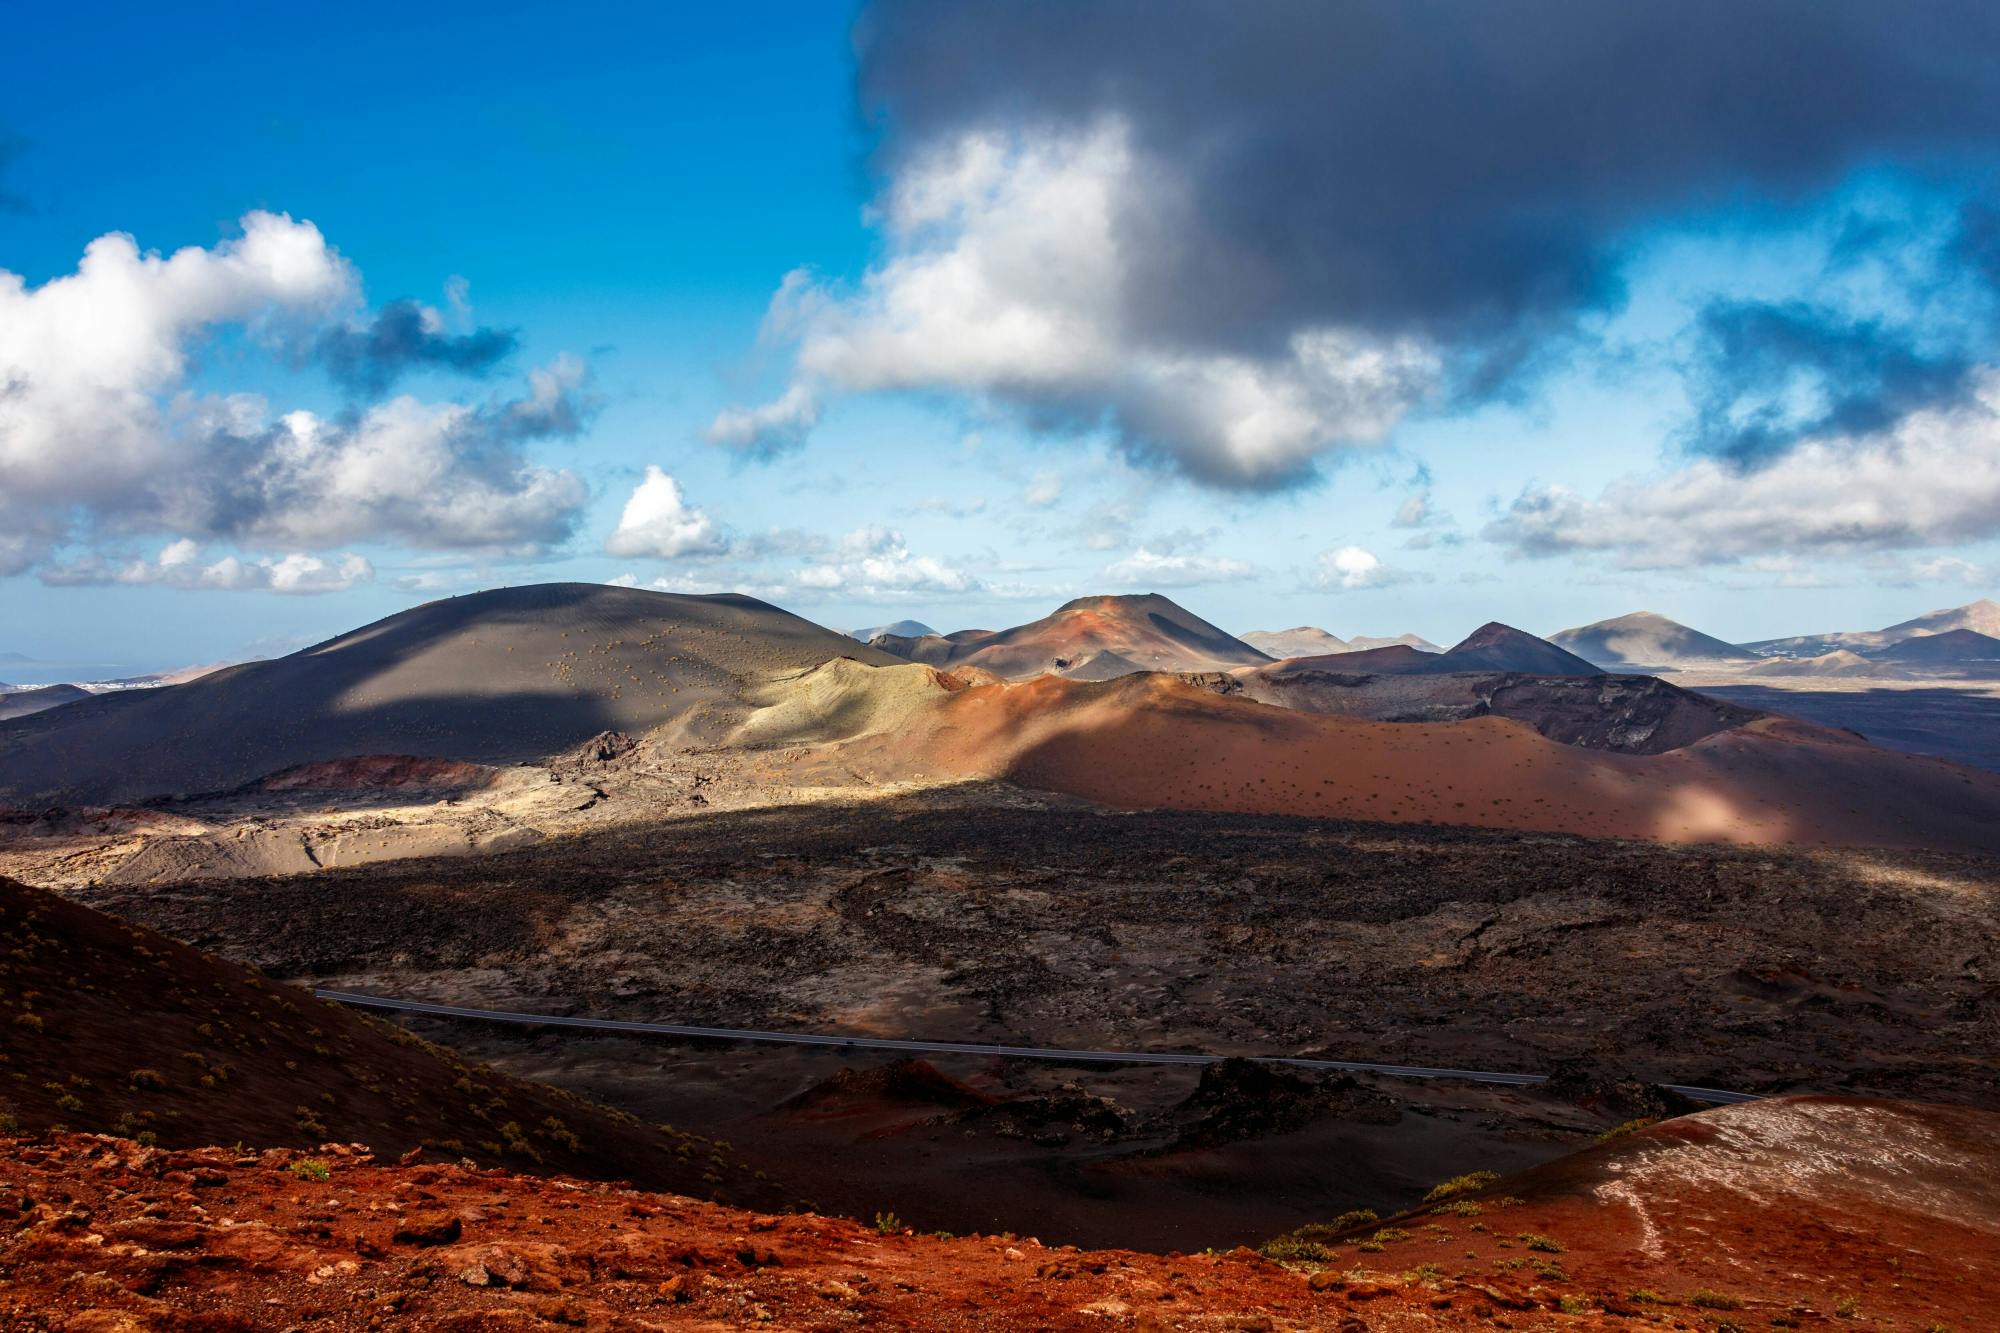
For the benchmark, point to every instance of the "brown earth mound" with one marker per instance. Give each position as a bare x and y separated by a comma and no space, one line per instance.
1157,742
1799,1213
1091,638
114,1028
1631,714
380,772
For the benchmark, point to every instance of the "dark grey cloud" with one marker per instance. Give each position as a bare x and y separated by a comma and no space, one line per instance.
405,336
1461,170
1769,374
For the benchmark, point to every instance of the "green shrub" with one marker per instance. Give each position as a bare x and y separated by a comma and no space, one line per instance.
1703,1298
312,1168
1535,1241
888,1223
1465,1184
1629,1127
1294,1249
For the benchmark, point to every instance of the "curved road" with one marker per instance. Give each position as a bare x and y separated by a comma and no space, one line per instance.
1714,1096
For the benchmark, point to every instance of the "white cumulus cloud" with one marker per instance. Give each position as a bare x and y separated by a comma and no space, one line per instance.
773,428
1153,569
102,434
877,564
658,522
1352,568
181,565
1009,277
1932,479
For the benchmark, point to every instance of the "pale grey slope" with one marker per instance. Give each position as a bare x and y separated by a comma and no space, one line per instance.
1981,617
1645,639
1300,641
502,676
1948,647
36,699
902,629
1361,643
1841,662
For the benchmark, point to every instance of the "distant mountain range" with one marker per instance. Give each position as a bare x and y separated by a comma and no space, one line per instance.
901,629
1646,641
1491,647
1981,617
1308,641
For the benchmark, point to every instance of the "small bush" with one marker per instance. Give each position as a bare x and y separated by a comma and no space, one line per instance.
145,1078
312,1168
1704,1299
1294,1249
1465,1184
1847,1307
1347,1221
1535,1241
888,1223
1629,1127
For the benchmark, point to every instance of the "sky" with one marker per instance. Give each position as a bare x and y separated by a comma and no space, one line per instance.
1375,317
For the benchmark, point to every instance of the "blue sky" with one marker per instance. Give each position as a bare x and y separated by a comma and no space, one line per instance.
626,189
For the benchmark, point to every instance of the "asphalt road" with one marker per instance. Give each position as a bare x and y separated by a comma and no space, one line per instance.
1715,1096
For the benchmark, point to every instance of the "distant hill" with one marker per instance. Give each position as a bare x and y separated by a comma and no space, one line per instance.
1491,647
501,676
1645,639
1948,646
1302,641
1839,662
1982,617
1091,638
902,629
1363,642
20,703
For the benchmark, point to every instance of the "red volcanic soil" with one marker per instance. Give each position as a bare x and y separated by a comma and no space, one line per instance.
1100,637
1884,1211
1155,742
380,772
111,1027
1802,1213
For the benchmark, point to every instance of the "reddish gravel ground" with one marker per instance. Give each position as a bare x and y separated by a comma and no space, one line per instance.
1799,1213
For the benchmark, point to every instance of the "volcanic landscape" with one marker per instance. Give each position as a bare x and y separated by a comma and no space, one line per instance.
1681,1006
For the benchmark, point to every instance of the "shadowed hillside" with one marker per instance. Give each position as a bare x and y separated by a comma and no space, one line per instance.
494,677
114,1028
